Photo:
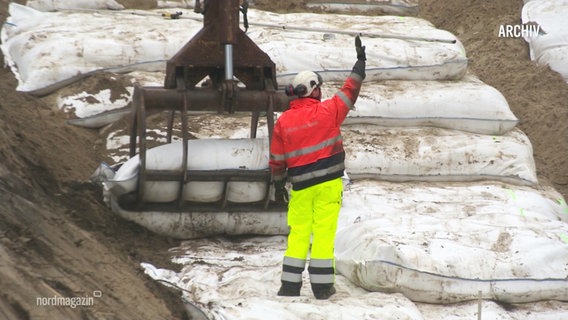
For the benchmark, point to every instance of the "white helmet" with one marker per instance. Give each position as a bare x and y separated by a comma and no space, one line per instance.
305,82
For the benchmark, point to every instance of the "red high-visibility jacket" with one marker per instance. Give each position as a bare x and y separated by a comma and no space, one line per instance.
307,139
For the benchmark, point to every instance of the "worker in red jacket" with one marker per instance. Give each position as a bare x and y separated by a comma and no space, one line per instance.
307,150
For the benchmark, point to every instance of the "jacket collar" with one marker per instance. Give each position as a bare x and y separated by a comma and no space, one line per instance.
303,102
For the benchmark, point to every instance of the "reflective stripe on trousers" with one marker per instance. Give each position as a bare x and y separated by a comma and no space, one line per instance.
312,215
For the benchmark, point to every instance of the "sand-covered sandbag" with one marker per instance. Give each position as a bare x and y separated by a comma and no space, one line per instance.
449,243
388,7
202,224
175,3
550,45
392,154
467,104
366,7
396,46
238,279
418,257
482,201
47,50
54,5
434,154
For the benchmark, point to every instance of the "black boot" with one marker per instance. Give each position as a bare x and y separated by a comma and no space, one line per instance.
323,291
290,289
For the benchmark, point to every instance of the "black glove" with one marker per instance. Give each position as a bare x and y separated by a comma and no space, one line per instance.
280,192
360,49
359,67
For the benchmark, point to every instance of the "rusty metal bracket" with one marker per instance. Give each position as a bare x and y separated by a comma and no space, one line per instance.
220,27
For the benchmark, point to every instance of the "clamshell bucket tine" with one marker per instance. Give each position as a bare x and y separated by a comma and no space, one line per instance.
141,128
225,194
185,138
254,124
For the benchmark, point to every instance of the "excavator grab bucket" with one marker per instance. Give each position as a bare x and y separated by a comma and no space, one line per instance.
220,55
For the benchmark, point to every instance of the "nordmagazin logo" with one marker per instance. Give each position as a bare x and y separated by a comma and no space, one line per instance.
519,30
72,302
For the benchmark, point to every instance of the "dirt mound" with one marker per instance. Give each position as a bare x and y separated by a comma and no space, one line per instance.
58,239
536,94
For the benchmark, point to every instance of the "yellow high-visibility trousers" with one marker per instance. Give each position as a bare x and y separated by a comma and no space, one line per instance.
312,215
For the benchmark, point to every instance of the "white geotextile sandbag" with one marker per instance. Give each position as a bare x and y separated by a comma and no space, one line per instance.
448,248
483,201
49,50
543,310
198,224
54,5
203,154
175,3
550,47
391,7
416,257
434,154
317,42
238,279
467,104
53,49
211,272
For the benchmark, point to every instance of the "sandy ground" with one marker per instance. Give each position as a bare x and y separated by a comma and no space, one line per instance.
58,238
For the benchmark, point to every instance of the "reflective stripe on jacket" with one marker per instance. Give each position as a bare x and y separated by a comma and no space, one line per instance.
307,138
